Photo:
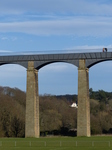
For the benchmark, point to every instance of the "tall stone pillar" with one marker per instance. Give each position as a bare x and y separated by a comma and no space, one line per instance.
83,115
32,102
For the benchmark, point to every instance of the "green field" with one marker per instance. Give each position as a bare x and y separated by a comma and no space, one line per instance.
59,143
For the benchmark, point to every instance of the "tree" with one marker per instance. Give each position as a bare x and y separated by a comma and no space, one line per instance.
17,127
5,119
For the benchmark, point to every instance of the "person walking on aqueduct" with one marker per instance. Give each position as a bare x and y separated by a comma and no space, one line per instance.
104,49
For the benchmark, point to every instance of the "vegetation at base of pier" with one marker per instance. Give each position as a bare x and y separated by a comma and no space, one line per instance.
56,115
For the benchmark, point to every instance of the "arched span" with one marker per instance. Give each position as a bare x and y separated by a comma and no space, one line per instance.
22,64
58,78
45,64
40,65
13,75
96,62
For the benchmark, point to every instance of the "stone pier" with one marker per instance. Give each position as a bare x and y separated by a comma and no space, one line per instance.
83,115
32,103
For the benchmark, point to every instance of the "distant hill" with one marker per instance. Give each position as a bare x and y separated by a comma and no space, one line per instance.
71,98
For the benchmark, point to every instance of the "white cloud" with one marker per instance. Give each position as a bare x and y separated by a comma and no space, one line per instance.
4,38
8,38
57,17
79,26
4,51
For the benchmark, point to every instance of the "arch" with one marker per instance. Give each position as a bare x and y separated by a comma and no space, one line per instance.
58,79
46,63
39,65
23,64
100,76
96,62
11,73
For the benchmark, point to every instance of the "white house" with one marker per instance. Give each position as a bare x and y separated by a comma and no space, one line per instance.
74,105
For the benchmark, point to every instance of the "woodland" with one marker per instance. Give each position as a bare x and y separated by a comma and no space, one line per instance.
56,115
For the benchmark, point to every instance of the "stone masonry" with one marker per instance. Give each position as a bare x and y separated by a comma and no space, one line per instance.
83,115
32,103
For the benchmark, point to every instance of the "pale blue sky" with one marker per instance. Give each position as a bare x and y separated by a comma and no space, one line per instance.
50,25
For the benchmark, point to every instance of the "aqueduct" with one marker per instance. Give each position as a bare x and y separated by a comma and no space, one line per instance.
34,62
